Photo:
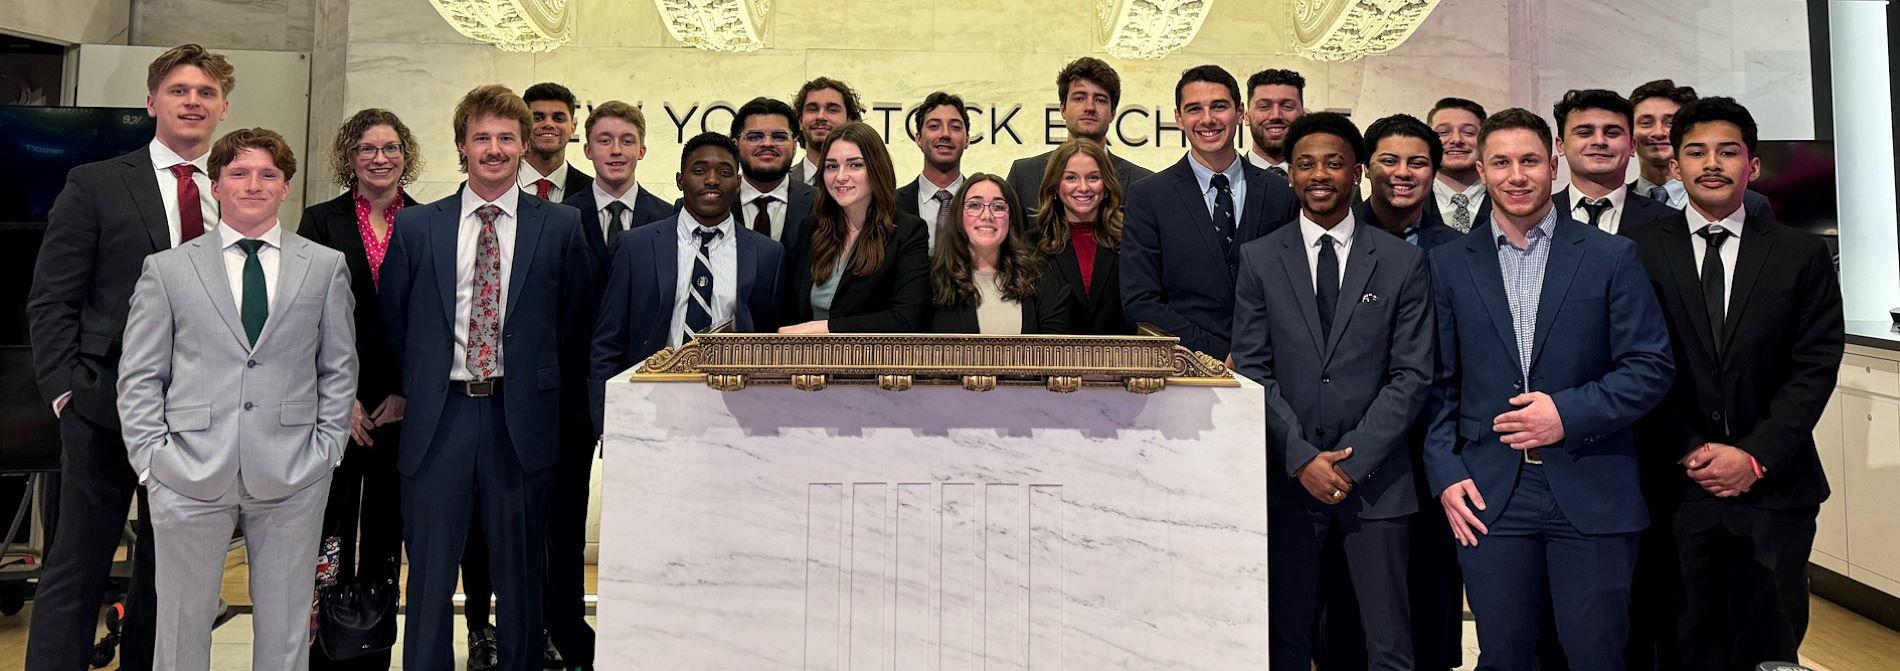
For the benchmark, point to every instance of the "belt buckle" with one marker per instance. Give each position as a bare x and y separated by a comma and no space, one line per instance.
1534,456
480,388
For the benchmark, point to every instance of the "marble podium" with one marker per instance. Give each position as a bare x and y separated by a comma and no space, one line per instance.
932,528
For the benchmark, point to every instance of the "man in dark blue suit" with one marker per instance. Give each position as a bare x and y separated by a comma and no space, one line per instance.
1533,454
616,137
1344,381
1403,155
481,293
1182,224
689,272
769,202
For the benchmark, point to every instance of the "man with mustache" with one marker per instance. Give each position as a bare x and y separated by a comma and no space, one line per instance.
1090,90
1182,225
1655,105
1533,454
823,104
770,203
482,295
942,132
1344,380
1275,98
1755,314
547,174
1458,192
1593,132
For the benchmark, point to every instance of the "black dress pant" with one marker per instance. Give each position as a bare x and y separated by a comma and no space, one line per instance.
97,485
564,595
1744,583
364,491
1375,558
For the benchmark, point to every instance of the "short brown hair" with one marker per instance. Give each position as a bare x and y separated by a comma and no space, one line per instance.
1092,69
617,110
1516,118
194,55
853,106
491,100
343,148
262,139
1662,88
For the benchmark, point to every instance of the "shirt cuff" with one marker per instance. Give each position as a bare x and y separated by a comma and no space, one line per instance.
59,404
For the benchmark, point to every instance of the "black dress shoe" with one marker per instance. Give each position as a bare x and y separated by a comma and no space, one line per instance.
484,652
550,658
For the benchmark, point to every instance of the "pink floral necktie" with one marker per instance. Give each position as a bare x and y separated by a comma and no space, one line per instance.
484,316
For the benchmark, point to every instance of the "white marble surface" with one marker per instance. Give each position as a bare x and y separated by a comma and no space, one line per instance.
934,528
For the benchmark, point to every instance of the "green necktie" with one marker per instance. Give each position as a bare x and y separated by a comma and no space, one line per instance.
255,306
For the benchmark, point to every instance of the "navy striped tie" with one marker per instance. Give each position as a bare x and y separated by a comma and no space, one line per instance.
699,309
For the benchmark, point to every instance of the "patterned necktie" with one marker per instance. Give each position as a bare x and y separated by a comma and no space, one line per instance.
699,309
1277,170
1714,284
762,222
1223,210
484,315
254,308
1596,207
943,212
1461,216
191,215
1326,284
542,187
1659,194
617,223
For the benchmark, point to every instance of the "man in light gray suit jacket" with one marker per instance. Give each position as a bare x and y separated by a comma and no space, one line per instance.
235,392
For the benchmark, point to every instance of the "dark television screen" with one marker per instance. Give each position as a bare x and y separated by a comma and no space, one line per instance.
42,143
1798,178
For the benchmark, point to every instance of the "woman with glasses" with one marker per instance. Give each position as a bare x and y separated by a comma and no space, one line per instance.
862,266
1079,224
373,156
984,277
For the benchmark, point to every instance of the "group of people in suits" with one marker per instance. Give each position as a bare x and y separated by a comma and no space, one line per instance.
1608,396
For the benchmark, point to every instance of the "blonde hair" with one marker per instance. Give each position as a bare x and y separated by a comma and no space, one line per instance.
212,64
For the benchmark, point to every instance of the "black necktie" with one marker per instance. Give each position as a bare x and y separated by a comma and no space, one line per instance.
1596,207
699,308
762,222
617,211
1277,170
1714,285
1223,210
1326,284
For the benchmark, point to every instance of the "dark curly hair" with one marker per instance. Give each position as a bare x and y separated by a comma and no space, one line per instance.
1018,266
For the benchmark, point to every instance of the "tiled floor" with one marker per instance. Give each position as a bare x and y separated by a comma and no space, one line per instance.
231,645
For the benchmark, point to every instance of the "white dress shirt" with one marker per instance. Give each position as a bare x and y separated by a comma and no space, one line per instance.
927,204
781,203
723,259
602,200
1261,162
267,256
1612,219
467,236
1731,248
811,171
163,158
528,175
1444,192
1342,246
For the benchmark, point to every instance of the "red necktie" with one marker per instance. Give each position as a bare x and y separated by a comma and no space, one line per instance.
542,187
191,215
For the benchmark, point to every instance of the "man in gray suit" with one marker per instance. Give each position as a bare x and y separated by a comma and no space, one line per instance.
235,392
1344,379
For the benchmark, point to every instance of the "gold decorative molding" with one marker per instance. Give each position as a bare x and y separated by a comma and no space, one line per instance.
716,25
511,25
1344,30
895,362
1148,29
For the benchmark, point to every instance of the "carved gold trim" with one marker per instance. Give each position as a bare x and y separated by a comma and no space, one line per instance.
1344,30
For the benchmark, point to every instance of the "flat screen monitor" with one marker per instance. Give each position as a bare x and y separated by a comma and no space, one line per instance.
1798,178
43,143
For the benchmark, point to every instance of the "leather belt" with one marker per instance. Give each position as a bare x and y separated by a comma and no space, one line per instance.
477,388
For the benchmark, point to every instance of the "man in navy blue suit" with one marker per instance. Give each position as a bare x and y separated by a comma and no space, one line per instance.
616,140
1183,223
1593,133
481,292
689,272
1532,453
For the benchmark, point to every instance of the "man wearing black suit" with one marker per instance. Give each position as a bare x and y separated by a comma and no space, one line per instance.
616,140
109,216
1090,91
1754,310
1593,132
1458,191
1344,382
942,132
1177,261
770,202
654,297
481,294
546,173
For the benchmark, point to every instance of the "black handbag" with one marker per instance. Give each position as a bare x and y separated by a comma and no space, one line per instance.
356,618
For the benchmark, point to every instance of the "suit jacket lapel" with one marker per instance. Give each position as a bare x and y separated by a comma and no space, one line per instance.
1105,271
747,255
1680,257
1559,270
1255,209
527,238
1489,279
1300,284
445,228
205,258
1360,263
1757,241
344,232
293,265
1066,264
665,260
141,179
1189,190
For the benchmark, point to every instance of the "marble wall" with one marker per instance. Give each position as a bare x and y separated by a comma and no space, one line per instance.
279,25
68,21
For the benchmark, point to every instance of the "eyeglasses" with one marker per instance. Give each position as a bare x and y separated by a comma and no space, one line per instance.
777,137
364,151
975,207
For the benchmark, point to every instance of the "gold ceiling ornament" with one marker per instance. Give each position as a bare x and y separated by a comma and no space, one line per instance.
716,25
511,25
1344,30
1149,29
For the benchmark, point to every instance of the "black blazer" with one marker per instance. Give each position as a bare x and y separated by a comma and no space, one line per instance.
801,195
1766,391
907,198
1639,211
647,208
577,181
1046,312
332,223
1432,230
1025,177
1091,313
106,219
894,299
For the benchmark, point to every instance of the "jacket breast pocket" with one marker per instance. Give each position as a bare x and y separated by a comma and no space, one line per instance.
297,413
188,418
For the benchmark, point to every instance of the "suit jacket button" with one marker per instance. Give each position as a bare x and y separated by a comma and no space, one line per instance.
252,363
248,406
1717,415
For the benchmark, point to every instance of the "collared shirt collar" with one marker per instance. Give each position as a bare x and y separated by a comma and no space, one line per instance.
528,174
926,189
780,194
272,237
1733,222
1472,192
602,198
1617,198
510,198
1545,227
1205,176
1261,162
1341,232
163,158
687,225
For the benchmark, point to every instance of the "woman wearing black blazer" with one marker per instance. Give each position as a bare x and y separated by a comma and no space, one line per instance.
373,156
1079,228
861,266
984,278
